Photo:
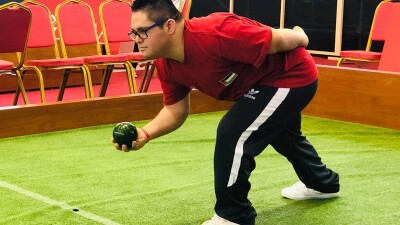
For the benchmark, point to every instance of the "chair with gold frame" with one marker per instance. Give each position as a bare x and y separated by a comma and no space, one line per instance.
115,17
42,37
15,22
77,30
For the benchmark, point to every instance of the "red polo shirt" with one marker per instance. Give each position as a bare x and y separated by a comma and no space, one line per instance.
226,55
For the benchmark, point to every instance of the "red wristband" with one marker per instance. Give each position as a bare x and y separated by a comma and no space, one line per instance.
146,133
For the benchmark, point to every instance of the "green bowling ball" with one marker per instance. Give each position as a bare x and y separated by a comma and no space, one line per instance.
125,133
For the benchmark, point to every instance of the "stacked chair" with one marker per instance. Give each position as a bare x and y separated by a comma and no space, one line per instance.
115,17
42,36
15,22
29,44
76,26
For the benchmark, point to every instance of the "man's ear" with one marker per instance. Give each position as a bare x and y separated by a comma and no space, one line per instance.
171,26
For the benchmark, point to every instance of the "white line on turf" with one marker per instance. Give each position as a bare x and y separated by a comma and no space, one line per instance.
62,205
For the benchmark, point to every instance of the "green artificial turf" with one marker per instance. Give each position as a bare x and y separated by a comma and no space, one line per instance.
170,181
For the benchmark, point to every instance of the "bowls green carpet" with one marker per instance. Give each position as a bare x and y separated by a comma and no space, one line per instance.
170,181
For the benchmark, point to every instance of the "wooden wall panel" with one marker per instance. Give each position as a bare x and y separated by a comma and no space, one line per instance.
361,96
32,119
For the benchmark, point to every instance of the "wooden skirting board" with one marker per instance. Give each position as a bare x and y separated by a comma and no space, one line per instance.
361,96
32,119
355,95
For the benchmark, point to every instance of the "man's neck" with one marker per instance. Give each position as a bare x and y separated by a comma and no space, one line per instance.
177,47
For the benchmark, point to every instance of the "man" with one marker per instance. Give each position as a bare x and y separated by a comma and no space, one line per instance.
266,71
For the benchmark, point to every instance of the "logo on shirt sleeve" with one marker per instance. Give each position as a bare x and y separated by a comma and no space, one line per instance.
228,79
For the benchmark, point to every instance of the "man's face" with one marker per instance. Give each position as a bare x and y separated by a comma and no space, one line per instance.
153,41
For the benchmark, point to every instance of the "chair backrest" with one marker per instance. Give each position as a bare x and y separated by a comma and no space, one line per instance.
115,17
15,22
391,49
186,6
42,33
76,26
379,23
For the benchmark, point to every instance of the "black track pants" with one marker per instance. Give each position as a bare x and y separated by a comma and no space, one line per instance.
263,116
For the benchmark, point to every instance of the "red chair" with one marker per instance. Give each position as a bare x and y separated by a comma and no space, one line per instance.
115,17
390,53
42,37
185,10
15,22
378,30
6,65
76,26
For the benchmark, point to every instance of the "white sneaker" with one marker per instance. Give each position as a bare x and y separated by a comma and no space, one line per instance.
216,220
299,191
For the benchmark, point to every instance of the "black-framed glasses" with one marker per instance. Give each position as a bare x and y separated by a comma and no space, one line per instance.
142,33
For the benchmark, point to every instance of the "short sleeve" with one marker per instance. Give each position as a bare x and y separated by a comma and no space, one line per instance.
173,92
244,40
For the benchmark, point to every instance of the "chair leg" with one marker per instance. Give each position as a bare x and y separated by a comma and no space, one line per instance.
63,84
130,74
149,77
339,61
106,80
88,81
18,91
144,77
41,84
21,89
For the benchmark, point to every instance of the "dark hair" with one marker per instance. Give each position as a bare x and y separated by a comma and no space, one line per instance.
157,9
